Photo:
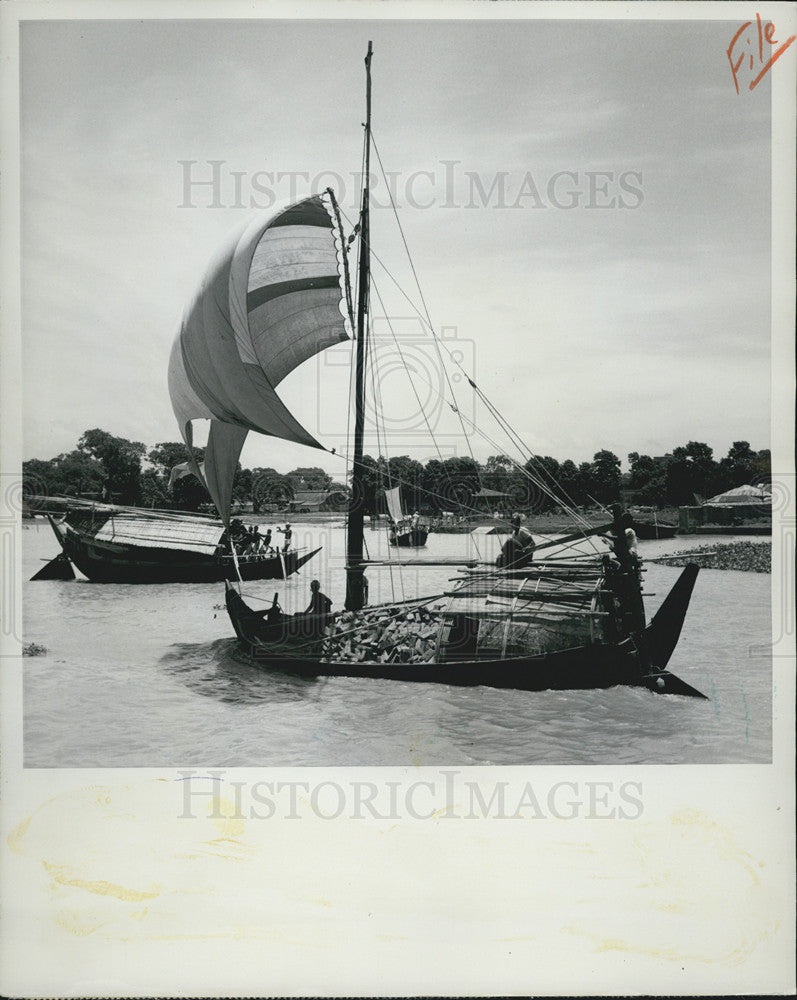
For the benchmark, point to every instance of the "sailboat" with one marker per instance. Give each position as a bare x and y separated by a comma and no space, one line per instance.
407,532
279,293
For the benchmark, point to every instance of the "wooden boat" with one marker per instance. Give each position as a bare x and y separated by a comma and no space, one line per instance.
405,532
647,531
542,647
123,545
406,536
571,620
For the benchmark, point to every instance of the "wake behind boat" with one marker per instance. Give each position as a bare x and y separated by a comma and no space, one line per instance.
283,292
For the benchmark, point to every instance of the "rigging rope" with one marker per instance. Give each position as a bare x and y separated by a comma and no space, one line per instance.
423,300
562,498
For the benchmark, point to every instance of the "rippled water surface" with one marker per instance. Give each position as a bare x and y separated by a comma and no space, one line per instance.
147,676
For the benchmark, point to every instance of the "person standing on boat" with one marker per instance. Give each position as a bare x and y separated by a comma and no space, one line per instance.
630,537
267,540
237,535
286,531
628,587
623,538
254,540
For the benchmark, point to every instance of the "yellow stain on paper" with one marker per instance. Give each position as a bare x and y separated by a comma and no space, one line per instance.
124,867
75,924
16,836
59,874
230,824
698,886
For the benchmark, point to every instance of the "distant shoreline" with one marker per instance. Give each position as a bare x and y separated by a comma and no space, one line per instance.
542,523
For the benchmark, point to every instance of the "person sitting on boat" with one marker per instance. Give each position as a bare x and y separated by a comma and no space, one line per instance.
320,605
288,534
518,549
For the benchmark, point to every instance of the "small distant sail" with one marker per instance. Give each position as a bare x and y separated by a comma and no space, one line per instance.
184,469
271,299
393,499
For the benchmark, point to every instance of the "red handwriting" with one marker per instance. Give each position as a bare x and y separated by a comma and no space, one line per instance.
741,49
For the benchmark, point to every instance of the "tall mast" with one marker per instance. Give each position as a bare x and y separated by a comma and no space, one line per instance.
355,597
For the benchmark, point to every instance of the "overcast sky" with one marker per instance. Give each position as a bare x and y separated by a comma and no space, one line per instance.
624,304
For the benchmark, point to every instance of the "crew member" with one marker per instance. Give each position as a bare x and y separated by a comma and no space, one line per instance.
320,604
623,538
288,535
254,540
627,587
518,549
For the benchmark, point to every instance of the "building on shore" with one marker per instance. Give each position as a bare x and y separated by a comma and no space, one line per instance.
332,500
490,500
746,508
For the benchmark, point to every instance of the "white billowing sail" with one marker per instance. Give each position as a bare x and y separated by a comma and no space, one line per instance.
272,298
393,499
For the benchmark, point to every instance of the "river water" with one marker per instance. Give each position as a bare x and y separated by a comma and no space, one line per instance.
151,676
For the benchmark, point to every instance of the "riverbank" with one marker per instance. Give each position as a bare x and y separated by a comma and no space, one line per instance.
548,524
749,557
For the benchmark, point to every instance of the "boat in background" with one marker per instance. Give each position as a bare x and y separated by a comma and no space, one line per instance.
112,544
280,293
647,531
406,532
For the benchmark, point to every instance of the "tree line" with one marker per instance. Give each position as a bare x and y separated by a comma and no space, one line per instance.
116,470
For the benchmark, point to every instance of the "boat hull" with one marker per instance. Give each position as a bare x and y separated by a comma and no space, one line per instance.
647,531
109,562
414,538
